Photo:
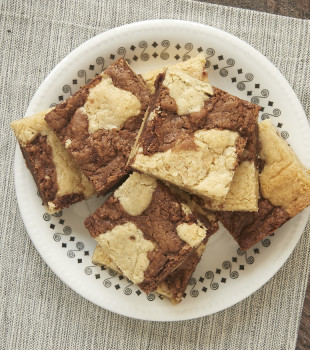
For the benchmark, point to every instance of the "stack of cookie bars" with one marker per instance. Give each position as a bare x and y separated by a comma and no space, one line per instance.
177,154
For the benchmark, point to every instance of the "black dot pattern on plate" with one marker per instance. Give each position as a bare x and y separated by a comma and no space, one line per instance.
227,265
161,50
46,217
244,82
192,284
89,270
164,55
127,289
266,242
224,71
151,297
284,134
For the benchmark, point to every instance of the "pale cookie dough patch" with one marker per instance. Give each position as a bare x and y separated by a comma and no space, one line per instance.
128,248
108,107
192,234
194,67
284,181
243,191
135,195
27,129
189,93
186,209
206,171
68,143
70,178
100,257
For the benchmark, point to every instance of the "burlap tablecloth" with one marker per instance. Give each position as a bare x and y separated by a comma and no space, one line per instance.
37,310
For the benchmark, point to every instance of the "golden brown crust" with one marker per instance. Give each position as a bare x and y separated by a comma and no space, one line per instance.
284,181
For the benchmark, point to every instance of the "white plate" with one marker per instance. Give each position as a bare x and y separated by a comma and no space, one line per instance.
225,275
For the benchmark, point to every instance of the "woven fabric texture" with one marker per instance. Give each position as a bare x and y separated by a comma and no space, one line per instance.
38,311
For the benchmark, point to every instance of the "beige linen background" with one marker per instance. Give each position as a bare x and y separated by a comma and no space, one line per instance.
37,310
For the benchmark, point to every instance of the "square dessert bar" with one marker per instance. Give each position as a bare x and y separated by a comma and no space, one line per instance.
193,135
98,125
244,188
174,285
195,67
284,186
59,180
146,230
243,193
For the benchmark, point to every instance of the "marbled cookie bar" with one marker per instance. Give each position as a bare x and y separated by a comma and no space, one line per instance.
146,230
193,135
284,186
243,193
59,180
174,285
194,67
98,125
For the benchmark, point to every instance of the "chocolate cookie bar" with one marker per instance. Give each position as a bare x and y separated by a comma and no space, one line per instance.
193,135
194,67
174,285
59,180
98,125
284,186
147,230
243,193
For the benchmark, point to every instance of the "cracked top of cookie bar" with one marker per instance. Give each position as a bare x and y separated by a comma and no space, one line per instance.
98,124
193,135
146,230
59,180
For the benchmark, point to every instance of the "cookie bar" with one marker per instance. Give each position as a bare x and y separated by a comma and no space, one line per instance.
243,193
194,67
146,230
284,186
280,168
98,125
174,285
59,180
193,135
